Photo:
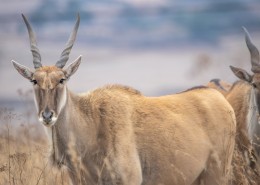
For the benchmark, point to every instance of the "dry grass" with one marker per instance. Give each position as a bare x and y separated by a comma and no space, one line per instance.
24,150
24,156
242,172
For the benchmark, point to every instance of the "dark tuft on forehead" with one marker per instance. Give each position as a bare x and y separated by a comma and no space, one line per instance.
256,77
48,69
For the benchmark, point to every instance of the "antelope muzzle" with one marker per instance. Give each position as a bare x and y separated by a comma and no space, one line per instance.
48,117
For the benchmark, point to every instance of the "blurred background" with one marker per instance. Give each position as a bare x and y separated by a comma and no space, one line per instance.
156,46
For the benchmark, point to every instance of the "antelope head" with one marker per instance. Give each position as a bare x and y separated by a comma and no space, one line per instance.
254,79
49,82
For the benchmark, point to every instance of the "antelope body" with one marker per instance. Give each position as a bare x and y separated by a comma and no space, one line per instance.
115,135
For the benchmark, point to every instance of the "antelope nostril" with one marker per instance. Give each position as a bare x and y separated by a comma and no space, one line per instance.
47,115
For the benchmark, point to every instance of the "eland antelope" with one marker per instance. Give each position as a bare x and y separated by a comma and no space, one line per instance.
244,168
244,97
115,135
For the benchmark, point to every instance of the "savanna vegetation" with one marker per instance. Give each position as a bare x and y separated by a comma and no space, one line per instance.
24,150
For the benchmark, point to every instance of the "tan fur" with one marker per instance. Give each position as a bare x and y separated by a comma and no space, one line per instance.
245,170
120,135
238,98
48,69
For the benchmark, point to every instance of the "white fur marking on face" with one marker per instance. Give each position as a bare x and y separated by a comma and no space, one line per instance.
252,118
62,100
250,112
40,119
53,120
36,103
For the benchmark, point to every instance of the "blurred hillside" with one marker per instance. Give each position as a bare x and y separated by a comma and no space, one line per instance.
142,24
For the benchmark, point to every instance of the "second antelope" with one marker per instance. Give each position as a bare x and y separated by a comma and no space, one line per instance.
115,135
249,89
244,96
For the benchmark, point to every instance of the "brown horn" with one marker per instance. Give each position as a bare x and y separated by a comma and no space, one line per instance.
65,53
254,53
35,51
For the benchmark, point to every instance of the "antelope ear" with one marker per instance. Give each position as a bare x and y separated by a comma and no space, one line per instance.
24,71
72,68
241,74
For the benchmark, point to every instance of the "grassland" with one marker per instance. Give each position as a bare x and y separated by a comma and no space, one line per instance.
24,149
24,154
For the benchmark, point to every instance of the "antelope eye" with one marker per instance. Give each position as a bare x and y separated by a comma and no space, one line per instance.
34,82
254,85
62,81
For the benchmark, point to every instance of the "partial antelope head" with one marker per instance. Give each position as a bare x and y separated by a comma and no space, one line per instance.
253,79
49,82
253,117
